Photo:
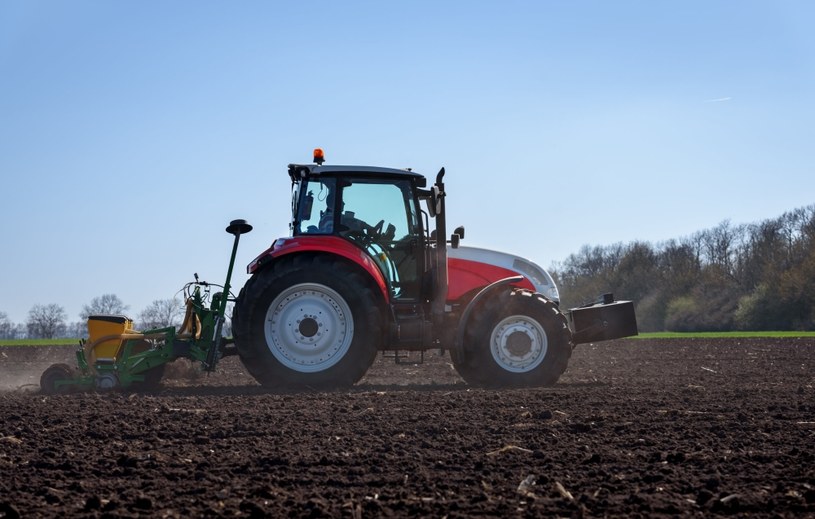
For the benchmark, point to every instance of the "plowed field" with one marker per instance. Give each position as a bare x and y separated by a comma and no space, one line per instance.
634,427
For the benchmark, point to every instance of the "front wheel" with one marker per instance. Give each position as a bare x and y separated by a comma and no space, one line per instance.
515,339
307,322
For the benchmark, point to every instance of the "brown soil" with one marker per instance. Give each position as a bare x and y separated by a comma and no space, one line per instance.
642,428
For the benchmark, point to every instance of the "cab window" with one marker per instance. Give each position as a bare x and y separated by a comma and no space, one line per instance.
316,210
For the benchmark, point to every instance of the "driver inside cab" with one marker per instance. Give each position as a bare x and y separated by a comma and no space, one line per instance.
348,219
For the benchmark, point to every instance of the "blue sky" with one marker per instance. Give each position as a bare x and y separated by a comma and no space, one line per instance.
131,133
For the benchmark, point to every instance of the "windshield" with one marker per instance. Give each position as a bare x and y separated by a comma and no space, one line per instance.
362,204
372,202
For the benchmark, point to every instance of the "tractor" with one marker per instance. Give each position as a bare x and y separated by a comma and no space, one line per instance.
362,271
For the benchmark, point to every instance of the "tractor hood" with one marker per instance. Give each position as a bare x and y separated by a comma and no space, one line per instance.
537,276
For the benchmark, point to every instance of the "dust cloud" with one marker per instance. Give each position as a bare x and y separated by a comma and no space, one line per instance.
22,366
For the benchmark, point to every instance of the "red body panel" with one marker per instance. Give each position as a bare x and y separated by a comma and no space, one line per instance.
327,244
465,276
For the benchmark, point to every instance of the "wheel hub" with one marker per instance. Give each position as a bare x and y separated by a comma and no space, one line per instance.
106,381
519,343
309,327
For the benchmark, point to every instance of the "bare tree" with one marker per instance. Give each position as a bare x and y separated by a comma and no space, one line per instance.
45,321
721,244
107,304
76,330
6,326
18,331
161,313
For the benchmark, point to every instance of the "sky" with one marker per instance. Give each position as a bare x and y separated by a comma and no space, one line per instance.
132,132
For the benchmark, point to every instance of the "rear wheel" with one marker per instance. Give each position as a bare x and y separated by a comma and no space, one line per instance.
53,375
515,339
307,322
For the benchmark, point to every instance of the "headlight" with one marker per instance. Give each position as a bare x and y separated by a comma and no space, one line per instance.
540,278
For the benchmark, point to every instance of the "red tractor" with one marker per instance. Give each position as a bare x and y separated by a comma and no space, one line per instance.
363,271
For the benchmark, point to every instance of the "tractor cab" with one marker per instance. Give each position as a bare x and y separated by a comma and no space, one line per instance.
376,209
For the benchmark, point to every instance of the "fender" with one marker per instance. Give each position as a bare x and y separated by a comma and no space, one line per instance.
486,291
325,244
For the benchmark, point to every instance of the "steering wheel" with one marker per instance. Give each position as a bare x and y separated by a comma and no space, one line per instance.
365,234
375,232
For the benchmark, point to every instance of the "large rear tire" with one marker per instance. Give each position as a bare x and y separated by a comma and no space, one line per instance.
52,375
307,322
515,339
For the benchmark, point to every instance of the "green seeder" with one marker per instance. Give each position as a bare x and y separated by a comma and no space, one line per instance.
117,356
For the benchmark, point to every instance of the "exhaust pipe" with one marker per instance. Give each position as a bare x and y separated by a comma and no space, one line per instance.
440,293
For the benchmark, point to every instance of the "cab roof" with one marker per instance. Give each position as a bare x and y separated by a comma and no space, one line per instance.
300,171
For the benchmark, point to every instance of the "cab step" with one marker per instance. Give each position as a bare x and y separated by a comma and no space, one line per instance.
405,357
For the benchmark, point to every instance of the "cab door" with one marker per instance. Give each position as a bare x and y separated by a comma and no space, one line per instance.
382,218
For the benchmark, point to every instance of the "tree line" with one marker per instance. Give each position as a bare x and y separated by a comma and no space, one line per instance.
50,321
758,276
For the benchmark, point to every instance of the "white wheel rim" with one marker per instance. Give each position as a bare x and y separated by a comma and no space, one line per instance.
309,327
518,344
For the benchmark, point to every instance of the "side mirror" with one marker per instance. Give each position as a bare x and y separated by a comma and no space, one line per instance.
460,231
433,203
308,203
